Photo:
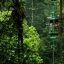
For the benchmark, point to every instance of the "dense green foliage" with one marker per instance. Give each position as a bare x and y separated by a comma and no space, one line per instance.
8,42
37,47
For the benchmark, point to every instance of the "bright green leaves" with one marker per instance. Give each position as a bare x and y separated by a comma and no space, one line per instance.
31,42
5,15
31,37
9,40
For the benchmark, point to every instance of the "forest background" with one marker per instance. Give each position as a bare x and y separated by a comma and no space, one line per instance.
36,47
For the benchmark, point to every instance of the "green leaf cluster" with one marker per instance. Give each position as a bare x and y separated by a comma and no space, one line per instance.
9,41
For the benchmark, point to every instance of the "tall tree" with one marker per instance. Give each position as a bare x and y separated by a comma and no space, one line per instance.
18,16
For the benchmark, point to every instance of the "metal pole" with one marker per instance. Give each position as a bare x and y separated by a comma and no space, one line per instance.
60,9
53,51
61,31
32,13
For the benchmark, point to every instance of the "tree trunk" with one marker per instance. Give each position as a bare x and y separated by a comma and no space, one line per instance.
18,16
